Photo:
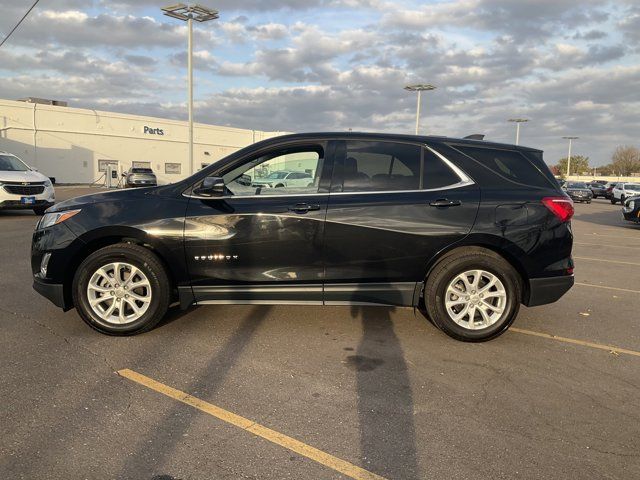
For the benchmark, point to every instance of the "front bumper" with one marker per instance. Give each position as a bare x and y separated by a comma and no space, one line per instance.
632,215
580,198
53,292
14,201
547,290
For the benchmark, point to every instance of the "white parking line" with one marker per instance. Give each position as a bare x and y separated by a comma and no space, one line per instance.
607,288
613,245
619,262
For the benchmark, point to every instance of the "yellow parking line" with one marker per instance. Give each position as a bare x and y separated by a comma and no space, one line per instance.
599,346
608,261
608,246
278,438
607,288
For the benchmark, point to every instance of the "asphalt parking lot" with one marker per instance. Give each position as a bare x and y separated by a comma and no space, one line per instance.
299,392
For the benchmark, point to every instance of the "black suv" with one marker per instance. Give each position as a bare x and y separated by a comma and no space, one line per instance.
468,230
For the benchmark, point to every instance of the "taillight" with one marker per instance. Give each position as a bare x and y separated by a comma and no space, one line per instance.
561,207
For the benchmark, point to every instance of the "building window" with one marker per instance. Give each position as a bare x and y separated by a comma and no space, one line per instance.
141,165
103,164
173,168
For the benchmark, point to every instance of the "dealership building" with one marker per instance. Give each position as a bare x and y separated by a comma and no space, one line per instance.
76,145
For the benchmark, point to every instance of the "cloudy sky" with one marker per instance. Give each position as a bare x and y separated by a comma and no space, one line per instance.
571,67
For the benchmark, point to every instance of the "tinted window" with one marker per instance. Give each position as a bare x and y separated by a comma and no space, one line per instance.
507,163
436,173
381,166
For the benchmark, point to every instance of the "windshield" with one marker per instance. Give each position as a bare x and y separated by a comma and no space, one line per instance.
141,170
632,186
576,185
9,163
276,175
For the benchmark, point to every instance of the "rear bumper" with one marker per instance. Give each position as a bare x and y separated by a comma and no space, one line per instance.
54,292
547,290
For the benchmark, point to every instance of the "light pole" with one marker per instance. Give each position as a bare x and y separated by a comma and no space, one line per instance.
518,121
188,13
421,87
571,139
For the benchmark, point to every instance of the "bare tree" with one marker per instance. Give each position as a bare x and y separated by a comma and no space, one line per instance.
626,160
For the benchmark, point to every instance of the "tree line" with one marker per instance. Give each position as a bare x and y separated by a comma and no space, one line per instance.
625,161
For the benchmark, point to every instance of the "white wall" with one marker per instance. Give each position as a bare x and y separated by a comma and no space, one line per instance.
68,143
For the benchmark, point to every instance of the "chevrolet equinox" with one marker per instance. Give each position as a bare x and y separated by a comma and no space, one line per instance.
465,230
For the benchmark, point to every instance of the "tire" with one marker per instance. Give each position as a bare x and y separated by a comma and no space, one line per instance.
157,294
39,210
280,185
448,269
588,202
613,201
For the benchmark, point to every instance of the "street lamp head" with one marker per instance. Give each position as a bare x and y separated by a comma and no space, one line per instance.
570,138
194,12
519,120
420,87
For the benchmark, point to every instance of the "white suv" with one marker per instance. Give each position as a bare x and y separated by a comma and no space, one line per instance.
284,178
622,191
23,187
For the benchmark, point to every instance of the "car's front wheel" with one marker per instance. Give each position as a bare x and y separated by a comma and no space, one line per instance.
473,296
121,289
613,200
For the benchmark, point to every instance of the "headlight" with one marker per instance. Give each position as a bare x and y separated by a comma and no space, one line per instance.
47,183
50,219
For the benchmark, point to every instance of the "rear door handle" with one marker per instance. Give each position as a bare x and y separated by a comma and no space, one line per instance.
444,202
304,207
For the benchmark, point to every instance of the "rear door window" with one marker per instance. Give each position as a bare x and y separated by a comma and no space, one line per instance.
509,164
381,166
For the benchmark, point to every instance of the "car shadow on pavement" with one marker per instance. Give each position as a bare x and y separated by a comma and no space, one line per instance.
384,397
156,446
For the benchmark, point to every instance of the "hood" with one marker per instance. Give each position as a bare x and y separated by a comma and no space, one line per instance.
28,176
111,196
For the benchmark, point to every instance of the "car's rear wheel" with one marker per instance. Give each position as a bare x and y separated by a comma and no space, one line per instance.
121,289
473,296
613,201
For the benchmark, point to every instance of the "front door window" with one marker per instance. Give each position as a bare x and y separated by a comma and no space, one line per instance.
288,172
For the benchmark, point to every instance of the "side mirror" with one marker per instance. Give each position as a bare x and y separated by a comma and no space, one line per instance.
210,187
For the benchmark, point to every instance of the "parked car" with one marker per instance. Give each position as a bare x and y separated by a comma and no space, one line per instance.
23,187
631,209
578,191
284,179
608,193
140,177
622,191
466,230
598,188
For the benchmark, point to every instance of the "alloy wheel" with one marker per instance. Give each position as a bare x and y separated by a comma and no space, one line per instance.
475,299
119,293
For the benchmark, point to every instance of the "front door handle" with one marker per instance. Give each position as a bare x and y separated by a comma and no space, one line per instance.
304,207
444,202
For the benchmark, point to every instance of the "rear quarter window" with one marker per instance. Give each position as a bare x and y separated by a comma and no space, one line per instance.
436,173
509,164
